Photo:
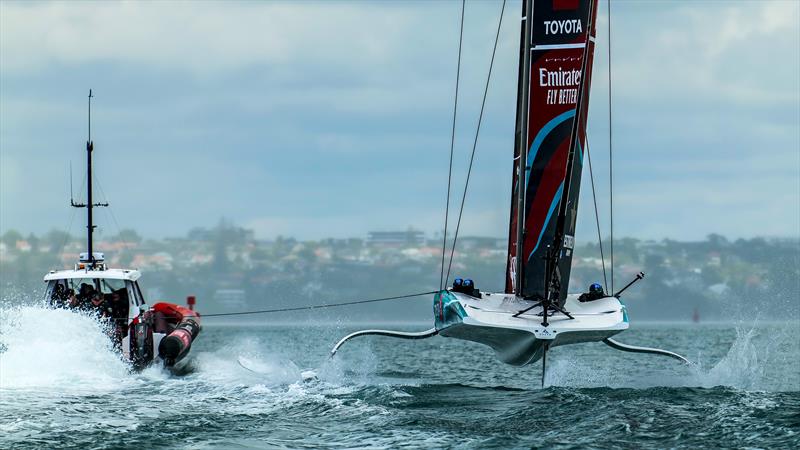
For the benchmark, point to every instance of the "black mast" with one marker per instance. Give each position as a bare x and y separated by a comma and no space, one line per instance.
553,282
88,205
522,138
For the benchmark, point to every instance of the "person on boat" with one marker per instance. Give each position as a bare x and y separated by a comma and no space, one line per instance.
90,300
72,299
595,292
118,302
60,296
84,292
81,300
99,305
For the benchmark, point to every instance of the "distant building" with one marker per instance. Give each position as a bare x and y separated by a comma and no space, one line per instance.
409,237
226,231
714,259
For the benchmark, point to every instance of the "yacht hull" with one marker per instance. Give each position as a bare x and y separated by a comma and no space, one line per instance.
489,320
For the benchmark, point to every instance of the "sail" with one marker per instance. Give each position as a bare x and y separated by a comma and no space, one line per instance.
558,79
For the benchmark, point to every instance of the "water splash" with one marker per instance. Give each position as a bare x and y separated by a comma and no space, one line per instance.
246,360
58,349
744,366
756,358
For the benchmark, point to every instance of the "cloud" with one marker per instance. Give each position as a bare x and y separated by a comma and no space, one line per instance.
322,118
715,51
198,37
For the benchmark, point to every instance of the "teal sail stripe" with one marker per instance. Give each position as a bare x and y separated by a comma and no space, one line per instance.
540,136
556,199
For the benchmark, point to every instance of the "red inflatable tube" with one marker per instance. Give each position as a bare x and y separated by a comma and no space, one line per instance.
176,345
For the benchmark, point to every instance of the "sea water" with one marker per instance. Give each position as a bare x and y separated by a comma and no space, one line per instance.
268,385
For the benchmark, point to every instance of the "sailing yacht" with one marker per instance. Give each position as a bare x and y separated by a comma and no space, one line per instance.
143,334
535,312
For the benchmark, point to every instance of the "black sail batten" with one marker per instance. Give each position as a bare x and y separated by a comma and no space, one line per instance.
553,92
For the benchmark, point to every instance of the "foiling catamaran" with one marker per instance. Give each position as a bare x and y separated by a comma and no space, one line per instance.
535,313
143,334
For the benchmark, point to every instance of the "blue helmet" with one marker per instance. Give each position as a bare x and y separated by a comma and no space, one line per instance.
596,288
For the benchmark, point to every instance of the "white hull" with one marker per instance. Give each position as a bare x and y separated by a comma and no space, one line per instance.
518,341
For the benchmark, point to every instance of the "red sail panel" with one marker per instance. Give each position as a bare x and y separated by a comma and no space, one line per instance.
558,48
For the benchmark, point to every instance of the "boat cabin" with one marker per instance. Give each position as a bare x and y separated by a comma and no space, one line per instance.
95,285
111,294
116,287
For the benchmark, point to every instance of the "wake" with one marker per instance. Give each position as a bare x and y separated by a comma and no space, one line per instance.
56,349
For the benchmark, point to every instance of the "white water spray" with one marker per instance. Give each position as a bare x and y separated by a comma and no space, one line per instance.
59,349
762,357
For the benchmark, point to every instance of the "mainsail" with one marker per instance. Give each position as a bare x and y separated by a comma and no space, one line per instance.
558,75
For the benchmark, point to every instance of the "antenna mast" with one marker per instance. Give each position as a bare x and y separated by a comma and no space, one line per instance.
88,205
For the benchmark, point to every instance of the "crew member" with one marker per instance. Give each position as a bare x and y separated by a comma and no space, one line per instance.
118,301
595,292
79,300
99,305
59,297
85,294
73,301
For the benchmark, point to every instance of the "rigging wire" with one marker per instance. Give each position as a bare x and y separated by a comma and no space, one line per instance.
475,142
72,213
71,195
111,213
67,231
610,150
326,305
596,215
452,144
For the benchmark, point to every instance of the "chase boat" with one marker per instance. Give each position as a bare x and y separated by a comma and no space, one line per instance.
144,334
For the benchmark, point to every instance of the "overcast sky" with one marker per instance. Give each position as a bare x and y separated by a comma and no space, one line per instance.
332,119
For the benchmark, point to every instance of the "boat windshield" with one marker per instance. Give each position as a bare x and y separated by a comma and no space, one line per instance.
77,291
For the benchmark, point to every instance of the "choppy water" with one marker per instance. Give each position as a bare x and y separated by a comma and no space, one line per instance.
62,386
